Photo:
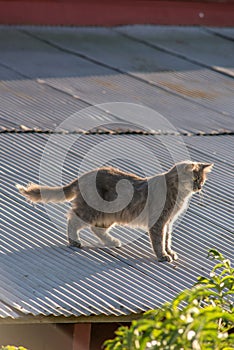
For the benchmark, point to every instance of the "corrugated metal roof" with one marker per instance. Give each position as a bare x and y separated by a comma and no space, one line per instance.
35,105
69,65
151,65
195,44
47,78
41,276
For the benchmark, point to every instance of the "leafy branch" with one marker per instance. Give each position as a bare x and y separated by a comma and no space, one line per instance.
200,318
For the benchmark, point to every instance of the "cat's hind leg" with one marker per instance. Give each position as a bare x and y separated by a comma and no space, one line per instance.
74,225
105,237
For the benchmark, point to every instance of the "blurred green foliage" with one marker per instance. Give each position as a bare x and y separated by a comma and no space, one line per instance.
11,347
200,318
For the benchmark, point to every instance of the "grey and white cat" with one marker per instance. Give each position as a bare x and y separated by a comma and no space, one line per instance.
108,196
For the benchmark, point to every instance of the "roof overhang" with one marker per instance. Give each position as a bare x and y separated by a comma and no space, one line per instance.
72,319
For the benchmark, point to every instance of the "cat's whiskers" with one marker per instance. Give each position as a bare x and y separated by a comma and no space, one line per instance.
201,197
202,194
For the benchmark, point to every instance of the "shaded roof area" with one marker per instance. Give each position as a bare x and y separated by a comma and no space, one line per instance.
59,116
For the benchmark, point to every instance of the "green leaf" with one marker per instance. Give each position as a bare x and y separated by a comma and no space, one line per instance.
218,266
213,253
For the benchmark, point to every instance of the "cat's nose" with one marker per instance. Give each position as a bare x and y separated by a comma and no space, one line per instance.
197,187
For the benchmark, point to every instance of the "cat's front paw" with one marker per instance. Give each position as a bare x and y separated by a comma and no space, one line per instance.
165,257
173,254
73,243
114,243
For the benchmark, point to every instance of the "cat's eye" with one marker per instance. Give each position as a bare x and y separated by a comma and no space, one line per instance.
195,178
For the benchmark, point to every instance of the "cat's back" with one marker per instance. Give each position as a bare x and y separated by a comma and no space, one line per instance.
111,172
108,177
105,180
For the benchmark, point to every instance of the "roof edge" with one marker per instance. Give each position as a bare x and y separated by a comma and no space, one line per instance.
71,319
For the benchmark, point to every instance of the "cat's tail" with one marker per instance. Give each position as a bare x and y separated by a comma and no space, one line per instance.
45,194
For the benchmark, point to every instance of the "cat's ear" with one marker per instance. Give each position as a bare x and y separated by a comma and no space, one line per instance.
190,166
206,167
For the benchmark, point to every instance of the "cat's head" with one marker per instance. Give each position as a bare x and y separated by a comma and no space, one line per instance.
193,174
198,173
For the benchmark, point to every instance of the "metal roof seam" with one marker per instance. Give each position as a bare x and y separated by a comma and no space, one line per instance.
118,70
172,52
217,33
129,131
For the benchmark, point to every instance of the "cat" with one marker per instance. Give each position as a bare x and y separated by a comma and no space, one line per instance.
153,203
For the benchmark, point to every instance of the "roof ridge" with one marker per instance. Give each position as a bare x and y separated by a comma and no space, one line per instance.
118,131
